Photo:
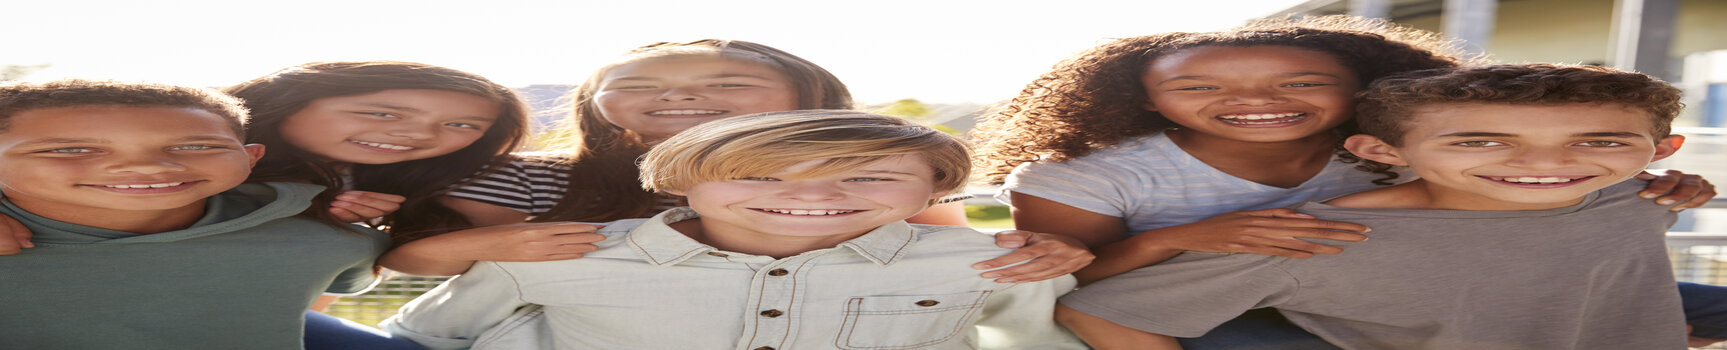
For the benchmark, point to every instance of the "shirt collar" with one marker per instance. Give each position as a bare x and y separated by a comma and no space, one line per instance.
664,246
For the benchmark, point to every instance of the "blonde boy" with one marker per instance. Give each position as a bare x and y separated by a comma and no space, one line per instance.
1520,234
794,239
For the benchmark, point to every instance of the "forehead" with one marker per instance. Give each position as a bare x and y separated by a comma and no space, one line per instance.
714,64
1248,59
913,164
83,121
1528,119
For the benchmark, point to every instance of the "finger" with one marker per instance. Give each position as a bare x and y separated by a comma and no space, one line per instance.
376,196
1305,246
1277,213
1014,257
1274,251
377,204
1661,185
1012,239
344,215
365,212
1702,198
1025,273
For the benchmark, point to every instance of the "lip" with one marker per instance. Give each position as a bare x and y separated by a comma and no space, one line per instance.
813,213
383,146
146,187
686,112
1263,119
1538,181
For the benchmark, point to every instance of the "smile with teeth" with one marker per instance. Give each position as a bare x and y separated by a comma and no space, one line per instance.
158,185
811,212
1265,118
1536,180
686,112
383,145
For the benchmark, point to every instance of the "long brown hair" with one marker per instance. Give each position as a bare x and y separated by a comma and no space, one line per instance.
275,97
603,178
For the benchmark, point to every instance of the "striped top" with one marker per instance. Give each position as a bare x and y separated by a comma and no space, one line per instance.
1151,183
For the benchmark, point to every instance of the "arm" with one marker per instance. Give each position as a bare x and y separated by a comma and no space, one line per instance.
1686,190
1268,232
482,214
1105,335
452,253
1020,316
454,315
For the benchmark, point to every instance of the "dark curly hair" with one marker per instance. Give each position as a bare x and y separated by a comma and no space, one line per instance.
1095,99
1386,106
18,98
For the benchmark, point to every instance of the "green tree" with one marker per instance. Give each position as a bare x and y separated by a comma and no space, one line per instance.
15,72
908,108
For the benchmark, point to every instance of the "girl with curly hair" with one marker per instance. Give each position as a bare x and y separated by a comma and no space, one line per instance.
1149,146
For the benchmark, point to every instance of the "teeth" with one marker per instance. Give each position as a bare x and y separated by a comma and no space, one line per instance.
1537,180
808,212
160,185
685,112
385,145
1260,116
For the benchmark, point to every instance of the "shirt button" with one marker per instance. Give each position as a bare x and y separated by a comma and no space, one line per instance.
778,272
718,254
927,303
772,313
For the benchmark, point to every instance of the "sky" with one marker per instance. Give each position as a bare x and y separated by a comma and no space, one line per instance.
936,51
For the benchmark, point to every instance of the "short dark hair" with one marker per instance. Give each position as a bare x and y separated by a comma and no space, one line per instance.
1386,106
18,98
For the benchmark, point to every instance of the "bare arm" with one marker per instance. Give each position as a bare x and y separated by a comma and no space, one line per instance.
1105,335
950,214
482,214
452,253
1268,232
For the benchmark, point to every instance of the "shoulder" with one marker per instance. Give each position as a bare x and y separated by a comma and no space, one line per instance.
956,241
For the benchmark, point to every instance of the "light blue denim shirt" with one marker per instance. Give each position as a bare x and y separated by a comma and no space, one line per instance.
649,287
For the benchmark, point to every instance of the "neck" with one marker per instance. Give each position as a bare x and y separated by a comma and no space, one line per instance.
134,221
1307,148
756,243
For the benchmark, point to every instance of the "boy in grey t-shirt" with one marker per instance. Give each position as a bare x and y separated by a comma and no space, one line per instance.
1516,236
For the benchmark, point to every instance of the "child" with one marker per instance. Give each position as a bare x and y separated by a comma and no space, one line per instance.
379,134
1149,146
794,239
145,237
652,93
1518,168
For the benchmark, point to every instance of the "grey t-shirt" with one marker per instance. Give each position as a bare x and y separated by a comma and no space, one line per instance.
1589,276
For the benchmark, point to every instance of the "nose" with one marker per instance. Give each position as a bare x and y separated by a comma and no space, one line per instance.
1542,157
679,94
1254,97
413,130
146,164
809,190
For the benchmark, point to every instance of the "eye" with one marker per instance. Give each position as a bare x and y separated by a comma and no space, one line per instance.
68,150
466,126
730,85
1478,143
1306,84
194,147
380,114
1601,143
868,179
633,87
1195,88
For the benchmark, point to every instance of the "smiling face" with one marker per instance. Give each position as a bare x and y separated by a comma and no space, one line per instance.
389,126
1253,93
107,162
659,97
1520,157
779,210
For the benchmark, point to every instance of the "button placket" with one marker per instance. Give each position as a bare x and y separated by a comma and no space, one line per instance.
779,298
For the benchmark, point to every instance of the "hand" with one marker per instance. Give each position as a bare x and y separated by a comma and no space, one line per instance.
14,237
1050,255
527,241
361,206
1698,342
1266,232
1686,190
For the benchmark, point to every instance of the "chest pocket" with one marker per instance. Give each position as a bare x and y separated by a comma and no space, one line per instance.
908,321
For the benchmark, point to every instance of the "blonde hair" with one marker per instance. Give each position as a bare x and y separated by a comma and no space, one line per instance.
765,143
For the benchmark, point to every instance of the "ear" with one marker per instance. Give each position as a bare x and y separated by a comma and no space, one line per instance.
1667,146
1372,148
1149,106
674,192
256,151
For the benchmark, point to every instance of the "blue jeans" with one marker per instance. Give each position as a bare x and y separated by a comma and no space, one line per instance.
1705,310
325,332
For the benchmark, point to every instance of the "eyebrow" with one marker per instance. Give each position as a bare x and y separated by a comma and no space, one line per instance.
68,140
709,76
871,172
1288,75
1583,134
391,106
